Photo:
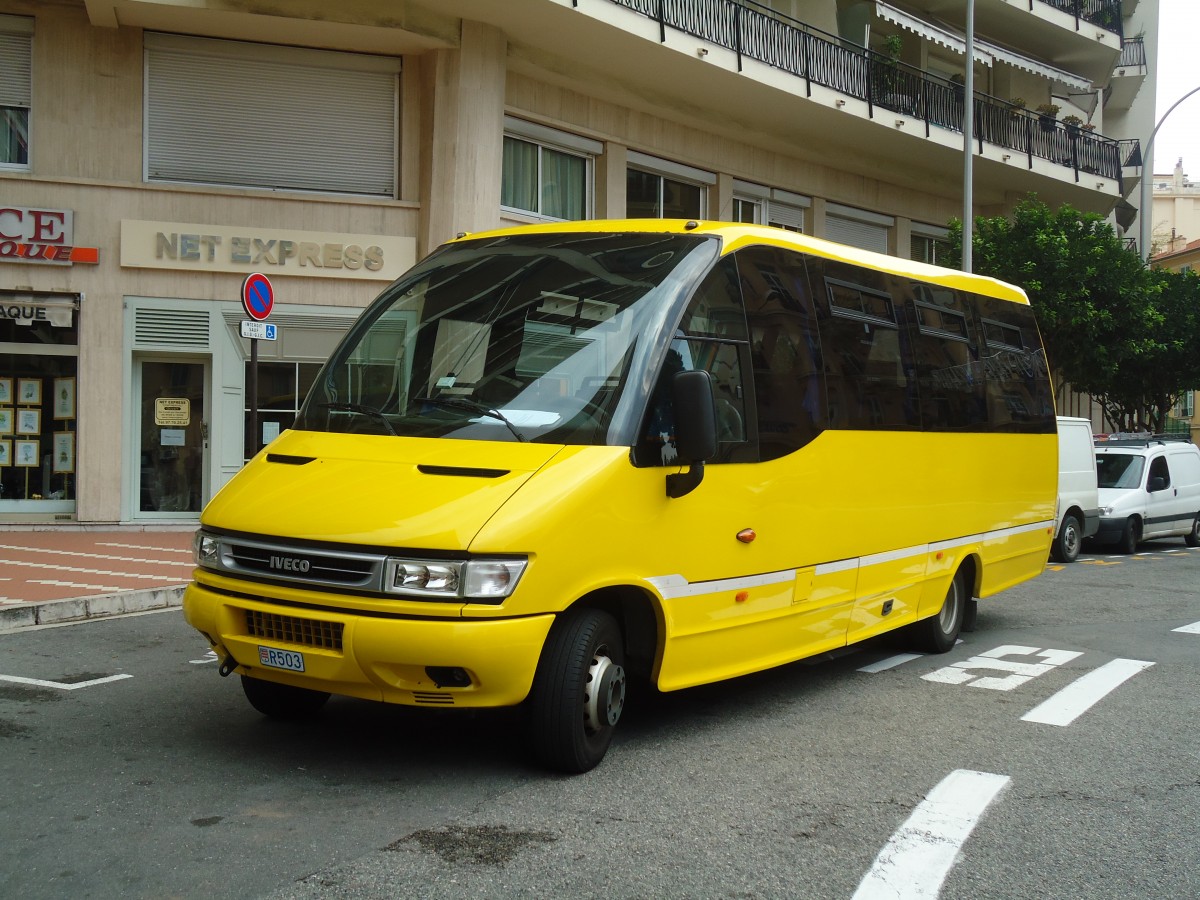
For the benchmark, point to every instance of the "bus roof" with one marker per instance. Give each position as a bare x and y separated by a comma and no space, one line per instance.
735,235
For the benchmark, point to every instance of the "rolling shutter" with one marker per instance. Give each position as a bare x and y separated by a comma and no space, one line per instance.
866,235
257,115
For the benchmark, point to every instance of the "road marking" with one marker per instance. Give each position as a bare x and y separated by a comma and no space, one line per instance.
36,682
960,672
1194,628
209,657
1082,694
918,857
890,663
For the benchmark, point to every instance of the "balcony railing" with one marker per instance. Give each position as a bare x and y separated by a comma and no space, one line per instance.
1133,53
759,33
1105,13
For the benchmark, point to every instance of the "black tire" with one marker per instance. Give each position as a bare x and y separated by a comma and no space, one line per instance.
1192,538
970,616
578,691
282,701
1069,540
938,633
1131,536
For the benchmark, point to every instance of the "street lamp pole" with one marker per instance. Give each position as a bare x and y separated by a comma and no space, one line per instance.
968,223
1146,212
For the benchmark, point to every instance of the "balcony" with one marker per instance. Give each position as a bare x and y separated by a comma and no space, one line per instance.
884,86
1128,75
1081,36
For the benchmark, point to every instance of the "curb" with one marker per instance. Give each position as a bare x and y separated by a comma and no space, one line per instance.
79,609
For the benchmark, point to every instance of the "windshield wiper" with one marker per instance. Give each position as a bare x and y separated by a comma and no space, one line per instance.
369,411
483,408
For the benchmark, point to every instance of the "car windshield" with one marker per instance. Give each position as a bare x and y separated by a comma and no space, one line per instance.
520,338
1119,470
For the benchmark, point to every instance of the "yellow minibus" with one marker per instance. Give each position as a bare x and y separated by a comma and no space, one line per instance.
551,458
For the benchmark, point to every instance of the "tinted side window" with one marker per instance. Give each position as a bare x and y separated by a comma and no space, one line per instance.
785,349
866,355
949,374
1018,381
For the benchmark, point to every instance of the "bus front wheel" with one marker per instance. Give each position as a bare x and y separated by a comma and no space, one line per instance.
578,691
937,634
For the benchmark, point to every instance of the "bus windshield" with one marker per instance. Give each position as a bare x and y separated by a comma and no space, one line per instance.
1119,470
528,338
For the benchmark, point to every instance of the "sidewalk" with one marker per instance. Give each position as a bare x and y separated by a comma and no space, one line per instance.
68,574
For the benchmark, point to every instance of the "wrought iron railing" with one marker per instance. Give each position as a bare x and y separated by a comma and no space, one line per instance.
1133,53
759,33
1131,153
1105,13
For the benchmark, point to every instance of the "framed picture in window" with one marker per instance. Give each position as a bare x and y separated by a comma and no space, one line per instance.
29,421
5,390
6,421
5,453
64,398
29,391
27,453
64,452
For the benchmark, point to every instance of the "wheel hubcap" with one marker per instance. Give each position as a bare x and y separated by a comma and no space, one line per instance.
949,613
604,694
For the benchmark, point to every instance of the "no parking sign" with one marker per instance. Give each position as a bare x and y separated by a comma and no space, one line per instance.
257,296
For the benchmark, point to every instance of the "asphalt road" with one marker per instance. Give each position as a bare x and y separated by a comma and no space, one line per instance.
131,769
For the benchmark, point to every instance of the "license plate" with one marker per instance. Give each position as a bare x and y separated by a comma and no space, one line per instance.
281,659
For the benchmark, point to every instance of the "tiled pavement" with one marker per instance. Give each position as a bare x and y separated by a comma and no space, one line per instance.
66,574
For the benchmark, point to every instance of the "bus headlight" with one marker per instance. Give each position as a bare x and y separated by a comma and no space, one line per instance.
476,579
206,549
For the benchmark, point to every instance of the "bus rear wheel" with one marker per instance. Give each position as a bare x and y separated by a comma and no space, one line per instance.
282,701
578,692
937,634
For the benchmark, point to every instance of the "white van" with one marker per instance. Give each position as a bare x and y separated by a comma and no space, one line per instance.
1077,515
1149,488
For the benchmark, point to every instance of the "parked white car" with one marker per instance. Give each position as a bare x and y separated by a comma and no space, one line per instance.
1149,488
1077,515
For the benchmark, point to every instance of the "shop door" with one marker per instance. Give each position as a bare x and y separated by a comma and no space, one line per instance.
173,447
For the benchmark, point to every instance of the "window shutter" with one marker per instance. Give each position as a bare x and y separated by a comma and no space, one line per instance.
857,234
15,70
221,112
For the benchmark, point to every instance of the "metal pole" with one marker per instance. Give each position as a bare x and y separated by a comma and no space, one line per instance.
968,229
253,389
1146,213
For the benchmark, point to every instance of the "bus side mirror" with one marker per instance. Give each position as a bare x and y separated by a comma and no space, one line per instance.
695,428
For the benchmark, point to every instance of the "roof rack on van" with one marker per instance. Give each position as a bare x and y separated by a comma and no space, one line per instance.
1141,439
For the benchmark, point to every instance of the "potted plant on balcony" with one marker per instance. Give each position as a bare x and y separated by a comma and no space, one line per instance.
1048,115
1018,107
1073,123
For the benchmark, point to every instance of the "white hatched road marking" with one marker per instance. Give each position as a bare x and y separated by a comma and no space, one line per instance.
1082,694
37,682
961,672
918,857
1194,628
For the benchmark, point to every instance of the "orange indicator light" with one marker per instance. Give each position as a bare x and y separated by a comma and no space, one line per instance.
746,535
742,596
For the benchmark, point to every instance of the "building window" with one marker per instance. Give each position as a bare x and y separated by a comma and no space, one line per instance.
659,189
748,211
39,402
269,117
857,227
16,52
929,244
547,173
769,206
282,387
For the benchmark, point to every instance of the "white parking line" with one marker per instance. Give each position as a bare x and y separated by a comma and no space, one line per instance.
1194,628
918,857
890,663
1082,694
37,682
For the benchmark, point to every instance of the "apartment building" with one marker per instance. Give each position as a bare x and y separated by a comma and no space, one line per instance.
1176,212
154,154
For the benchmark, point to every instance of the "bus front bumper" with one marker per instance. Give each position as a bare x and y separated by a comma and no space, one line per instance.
413,662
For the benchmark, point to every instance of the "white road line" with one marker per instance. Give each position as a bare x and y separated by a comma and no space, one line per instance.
37,682
918,857
890,663
1194,628
1082,694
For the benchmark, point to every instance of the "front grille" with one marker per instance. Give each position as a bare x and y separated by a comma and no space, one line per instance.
292,630
301,563
431,699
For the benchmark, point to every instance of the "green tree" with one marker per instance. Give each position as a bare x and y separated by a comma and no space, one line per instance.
1112,328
